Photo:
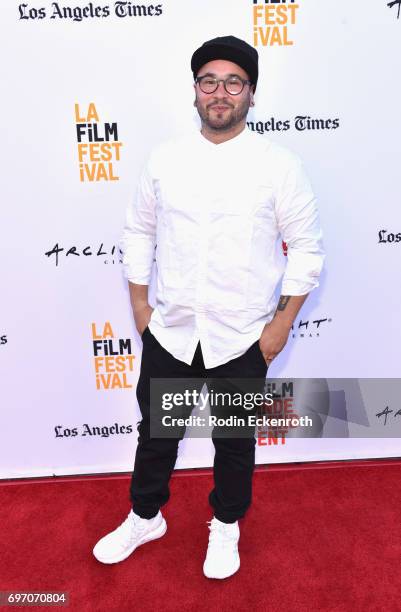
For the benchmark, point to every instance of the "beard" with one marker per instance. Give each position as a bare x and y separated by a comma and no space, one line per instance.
224,120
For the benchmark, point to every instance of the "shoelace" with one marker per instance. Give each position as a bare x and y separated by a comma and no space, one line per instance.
129,528
221,536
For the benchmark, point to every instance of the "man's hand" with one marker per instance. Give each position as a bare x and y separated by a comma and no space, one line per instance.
140,306
142,317
273,339
275,334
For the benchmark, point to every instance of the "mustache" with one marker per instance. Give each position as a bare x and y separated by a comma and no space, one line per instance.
212,104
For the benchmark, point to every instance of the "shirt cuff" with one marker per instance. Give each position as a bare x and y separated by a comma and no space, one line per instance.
293,287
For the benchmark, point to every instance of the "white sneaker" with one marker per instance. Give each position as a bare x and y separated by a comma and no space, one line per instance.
222,558
134,531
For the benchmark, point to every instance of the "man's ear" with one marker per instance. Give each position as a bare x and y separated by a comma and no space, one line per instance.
252,101
195,94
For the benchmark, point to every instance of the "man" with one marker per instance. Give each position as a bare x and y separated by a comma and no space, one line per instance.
214,205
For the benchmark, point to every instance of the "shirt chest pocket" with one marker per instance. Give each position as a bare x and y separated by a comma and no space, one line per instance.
242,233
211,232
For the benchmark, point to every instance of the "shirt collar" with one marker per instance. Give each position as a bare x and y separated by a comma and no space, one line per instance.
232,143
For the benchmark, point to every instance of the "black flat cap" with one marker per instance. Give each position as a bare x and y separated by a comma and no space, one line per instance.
227,48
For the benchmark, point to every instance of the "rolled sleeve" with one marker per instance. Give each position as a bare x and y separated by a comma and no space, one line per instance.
298,222
138,240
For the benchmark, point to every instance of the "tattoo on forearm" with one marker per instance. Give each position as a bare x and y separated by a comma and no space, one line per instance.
283,301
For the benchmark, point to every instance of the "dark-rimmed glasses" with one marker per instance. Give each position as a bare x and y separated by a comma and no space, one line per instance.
232,84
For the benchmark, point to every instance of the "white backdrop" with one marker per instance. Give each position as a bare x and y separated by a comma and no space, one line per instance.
335,88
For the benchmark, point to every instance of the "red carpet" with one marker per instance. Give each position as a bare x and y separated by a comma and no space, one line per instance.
314,539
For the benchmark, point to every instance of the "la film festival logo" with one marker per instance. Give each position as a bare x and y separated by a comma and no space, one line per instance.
98,146
273,22
281,407
113,358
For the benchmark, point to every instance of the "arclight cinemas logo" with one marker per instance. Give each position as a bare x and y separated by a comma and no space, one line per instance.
397,4
105,253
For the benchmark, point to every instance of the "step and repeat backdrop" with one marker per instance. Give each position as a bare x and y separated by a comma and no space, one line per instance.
88,88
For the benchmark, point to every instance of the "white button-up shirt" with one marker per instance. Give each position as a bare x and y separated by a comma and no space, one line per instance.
213,216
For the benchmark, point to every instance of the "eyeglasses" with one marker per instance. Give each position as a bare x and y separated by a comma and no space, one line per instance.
232,84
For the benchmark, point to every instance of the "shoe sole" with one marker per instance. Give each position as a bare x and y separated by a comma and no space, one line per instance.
152,535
